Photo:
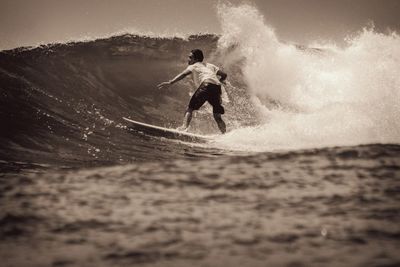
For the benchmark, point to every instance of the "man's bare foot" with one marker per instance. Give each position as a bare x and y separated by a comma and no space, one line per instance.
182,128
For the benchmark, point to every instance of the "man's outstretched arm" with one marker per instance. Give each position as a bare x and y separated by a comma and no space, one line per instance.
179,77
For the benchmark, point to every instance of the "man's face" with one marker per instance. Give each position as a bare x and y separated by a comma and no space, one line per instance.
191,60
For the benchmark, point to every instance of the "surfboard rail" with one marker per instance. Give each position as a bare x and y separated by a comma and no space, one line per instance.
166,132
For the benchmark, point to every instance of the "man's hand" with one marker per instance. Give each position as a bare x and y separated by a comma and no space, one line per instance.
164,85
222,76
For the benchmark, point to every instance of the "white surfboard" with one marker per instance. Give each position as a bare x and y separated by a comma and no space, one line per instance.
165,132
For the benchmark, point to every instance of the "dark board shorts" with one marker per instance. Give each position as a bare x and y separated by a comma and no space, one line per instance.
207,92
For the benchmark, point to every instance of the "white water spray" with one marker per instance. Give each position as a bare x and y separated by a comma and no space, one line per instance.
332,96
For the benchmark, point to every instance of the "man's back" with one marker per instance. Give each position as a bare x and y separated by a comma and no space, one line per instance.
204,72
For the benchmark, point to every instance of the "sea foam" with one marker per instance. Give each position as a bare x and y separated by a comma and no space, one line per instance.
329,96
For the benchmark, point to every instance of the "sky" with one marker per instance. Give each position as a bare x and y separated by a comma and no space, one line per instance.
32,22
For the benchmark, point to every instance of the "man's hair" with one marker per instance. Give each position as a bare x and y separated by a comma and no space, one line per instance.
198,55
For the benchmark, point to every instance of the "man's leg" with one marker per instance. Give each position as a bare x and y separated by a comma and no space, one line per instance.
220,122
186,120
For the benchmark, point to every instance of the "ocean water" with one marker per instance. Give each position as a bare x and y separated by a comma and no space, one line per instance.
307,175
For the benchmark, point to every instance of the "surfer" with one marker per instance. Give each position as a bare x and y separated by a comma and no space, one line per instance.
207,78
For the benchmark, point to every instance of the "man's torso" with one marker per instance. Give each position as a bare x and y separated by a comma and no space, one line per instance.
204,72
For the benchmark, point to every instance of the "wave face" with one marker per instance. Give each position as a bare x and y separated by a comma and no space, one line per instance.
64,102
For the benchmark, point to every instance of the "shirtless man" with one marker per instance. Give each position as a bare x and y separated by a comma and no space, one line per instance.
207,78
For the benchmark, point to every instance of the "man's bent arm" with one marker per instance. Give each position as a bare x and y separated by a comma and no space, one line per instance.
222,75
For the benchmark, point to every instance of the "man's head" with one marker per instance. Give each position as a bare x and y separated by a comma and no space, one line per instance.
196,55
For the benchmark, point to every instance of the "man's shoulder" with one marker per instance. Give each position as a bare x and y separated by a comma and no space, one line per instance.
191,67
194,65
212,66
199,66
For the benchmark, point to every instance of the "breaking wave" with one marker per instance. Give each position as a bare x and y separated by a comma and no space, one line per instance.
65,101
